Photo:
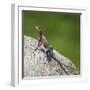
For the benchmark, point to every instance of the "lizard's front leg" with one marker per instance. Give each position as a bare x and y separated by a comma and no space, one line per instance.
39,44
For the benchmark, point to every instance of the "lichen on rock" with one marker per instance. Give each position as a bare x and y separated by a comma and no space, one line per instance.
36,63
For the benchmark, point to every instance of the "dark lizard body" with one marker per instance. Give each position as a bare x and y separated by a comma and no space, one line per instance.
51,55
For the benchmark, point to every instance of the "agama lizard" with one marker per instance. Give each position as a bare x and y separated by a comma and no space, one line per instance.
43,43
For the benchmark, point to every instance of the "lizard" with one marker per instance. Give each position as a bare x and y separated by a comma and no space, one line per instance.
43,43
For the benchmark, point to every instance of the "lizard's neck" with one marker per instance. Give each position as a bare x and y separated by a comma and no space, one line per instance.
40,34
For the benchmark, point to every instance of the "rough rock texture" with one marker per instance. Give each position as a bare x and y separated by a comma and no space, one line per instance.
36,63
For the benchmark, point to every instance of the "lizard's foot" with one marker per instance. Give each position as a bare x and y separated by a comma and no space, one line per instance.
49,59
35,49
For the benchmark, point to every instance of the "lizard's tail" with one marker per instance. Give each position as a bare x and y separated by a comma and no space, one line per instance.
60,65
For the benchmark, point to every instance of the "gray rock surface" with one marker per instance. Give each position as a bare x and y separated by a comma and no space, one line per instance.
36,63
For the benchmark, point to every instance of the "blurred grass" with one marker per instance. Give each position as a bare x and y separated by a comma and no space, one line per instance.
62,30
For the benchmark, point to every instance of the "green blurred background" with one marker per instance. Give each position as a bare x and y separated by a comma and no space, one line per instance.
62,31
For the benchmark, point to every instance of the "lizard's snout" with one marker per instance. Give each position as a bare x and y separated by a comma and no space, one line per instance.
37,27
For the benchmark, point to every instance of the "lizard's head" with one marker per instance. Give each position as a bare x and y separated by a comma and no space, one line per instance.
37,28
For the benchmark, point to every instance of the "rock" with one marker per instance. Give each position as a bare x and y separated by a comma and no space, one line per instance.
36,63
